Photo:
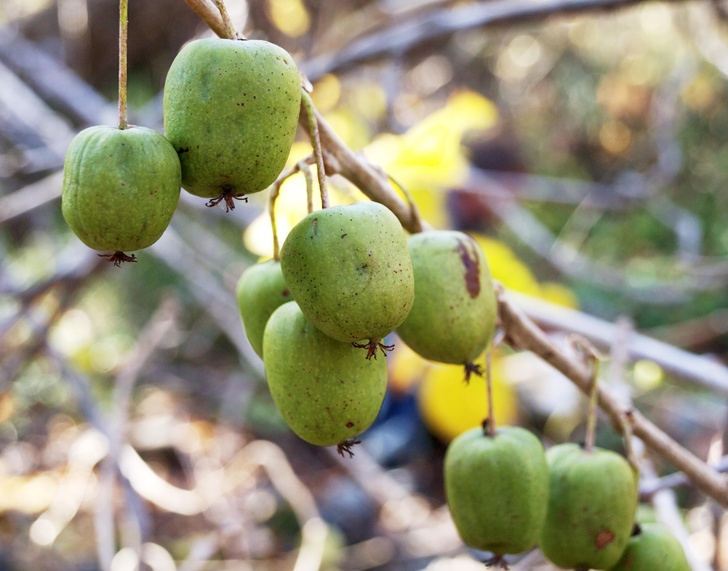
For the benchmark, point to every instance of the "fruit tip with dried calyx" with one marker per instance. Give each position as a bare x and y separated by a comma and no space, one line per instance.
346,446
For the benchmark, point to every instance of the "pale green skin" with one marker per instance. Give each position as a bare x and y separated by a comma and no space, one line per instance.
230,110
653,549
260,291
120,187
591,507
323,388
349,270
496,488
453,316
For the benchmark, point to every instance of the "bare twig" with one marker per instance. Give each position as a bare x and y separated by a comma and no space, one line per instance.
422,29
209,14
521,329
365,176
700,370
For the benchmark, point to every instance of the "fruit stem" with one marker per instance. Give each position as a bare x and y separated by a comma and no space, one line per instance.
274,193
123,36
304,168
591,415
313,131
230,29
489,390
415,217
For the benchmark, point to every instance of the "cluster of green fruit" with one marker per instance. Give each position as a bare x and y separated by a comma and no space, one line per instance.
506,495
352,277
230,114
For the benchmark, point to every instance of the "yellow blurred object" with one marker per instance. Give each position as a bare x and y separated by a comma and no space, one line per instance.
507,268
29,494
647,375
428,158
449,406
517,276
290,17
406,368
326,93
559,294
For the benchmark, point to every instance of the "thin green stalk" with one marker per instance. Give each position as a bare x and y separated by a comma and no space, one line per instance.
275,192
489,390
414,209
306,171
123,37
591,415
316,143
230,29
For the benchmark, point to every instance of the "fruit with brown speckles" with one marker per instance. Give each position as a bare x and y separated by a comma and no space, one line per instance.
349,270
651,548
259,292
453,316
120,187
230,110
591,507
496,488
322,387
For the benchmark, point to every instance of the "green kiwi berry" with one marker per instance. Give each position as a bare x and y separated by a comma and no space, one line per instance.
496,487
260,291
591,507
120,187
349,270
322,387
651,548
230,110
453,316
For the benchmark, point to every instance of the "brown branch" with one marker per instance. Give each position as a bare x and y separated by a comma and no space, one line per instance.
519,328
208,13
341,159
423,29
528,336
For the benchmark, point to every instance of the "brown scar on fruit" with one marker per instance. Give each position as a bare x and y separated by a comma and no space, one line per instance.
472,268
117,258
229,196
496,560
604,538
372,347
346,446
472,369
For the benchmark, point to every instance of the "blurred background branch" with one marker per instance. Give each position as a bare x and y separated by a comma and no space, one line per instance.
589,168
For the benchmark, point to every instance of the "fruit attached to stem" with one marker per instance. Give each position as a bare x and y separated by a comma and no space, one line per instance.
497,488
230,110
322,387
120,188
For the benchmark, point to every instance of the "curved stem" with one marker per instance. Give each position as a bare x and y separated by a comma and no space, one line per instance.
229,28
306,171
123,38
414,209
275,192
591,415
316,142
489,391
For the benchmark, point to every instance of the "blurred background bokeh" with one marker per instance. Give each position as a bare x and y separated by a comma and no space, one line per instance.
585,151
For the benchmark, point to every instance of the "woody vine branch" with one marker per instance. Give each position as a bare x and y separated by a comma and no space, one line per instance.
520,331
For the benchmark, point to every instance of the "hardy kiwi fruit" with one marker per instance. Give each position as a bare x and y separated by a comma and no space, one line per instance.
652,548
230,110
349,270
322,387
260,291
591,507
497,489
120,187
453,316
